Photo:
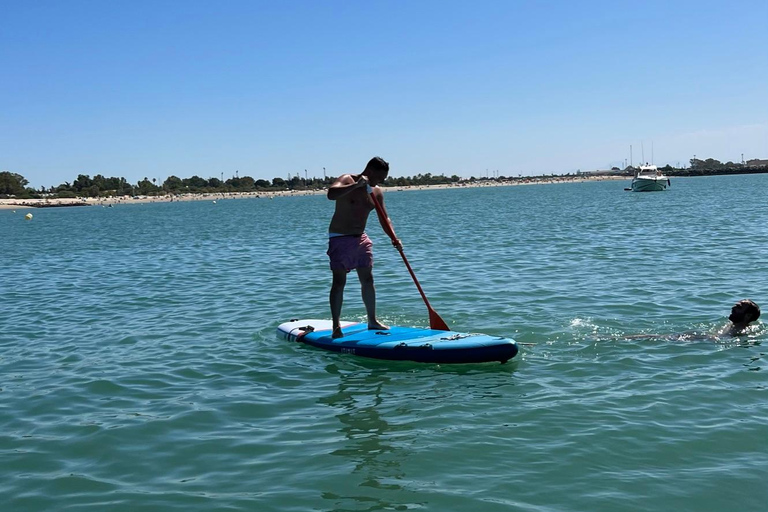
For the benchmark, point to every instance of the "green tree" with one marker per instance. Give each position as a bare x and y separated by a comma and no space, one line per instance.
173,184
12,183
247,183
83,182
711,163
401,181
195,183
100,182
62,188
114,184
146,187
294,183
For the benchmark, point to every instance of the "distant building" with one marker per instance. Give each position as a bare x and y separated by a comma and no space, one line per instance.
757,163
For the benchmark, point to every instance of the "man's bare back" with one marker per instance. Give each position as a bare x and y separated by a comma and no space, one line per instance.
352,209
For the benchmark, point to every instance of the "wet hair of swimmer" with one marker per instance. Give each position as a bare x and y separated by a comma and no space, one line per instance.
377,164
743,309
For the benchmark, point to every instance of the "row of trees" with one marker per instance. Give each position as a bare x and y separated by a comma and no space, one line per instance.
12,184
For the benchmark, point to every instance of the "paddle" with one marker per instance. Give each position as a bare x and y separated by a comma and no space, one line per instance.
435,322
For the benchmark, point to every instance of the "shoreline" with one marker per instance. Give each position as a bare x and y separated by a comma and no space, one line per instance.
6,204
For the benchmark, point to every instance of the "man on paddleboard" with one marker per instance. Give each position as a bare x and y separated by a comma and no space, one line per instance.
349,248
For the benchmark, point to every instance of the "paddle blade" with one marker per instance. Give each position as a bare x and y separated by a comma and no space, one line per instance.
436,323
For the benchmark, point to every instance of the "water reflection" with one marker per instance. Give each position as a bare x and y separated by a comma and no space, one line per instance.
394,419
375,447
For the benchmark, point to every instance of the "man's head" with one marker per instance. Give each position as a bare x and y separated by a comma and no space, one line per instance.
376,170
744,312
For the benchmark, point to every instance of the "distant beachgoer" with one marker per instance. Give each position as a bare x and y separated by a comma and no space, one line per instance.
349,248
743,313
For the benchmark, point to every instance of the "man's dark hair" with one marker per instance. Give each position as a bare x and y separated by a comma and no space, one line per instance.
753,308
377,164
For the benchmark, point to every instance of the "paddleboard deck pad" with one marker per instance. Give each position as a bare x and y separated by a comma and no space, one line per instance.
401,343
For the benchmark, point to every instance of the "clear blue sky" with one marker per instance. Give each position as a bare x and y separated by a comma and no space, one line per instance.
155,88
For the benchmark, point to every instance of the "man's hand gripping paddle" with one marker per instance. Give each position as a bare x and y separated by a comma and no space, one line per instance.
435,322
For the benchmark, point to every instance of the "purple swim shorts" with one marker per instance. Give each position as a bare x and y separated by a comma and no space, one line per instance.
348,252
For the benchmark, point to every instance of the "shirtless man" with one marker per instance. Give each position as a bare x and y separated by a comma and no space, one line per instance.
349,248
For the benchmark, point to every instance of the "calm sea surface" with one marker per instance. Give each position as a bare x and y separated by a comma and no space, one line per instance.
140,370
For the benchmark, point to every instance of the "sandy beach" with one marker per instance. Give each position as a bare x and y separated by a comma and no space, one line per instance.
111,201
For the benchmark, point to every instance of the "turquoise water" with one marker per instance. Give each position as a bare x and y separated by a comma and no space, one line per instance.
140,370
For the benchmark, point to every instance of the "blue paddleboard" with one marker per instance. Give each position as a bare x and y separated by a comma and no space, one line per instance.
401,343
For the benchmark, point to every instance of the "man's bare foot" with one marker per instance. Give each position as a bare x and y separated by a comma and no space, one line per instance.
377,326
337,333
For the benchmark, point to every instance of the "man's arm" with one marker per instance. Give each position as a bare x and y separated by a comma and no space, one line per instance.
345,184
386,223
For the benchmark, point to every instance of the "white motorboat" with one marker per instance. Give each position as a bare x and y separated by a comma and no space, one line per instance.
649,179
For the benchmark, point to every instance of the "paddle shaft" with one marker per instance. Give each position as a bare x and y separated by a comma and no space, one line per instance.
435,321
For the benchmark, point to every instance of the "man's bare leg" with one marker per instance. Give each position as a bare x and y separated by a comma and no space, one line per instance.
369,297
336,300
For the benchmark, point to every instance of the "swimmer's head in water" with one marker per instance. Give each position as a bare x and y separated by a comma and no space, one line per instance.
744,311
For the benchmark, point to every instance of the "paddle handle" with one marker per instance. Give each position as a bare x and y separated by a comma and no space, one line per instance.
435,321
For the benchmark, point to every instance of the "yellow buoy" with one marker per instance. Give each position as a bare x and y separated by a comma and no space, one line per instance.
28,216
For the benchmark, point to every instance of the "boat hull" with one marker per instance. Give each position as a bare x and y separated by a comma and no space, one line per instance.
650,184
